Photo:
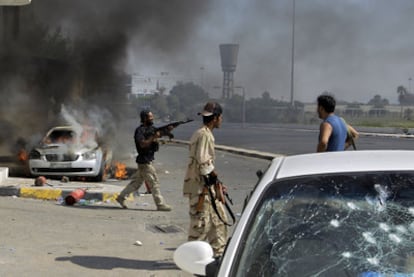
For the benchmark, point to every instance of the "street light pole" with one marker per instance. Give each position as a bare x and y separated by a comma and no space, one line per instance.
292,66
243,106
409,85
202,77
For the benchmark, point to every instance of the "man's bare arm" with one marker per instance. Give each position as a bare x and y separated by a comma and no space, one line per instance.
325,132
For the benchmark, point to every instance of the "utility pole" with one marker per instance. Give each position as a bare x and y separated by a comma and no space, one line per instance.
292,67
243,106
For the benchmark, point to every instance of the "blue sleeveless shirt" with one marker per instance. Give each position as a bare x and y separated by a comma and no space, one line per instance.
339,132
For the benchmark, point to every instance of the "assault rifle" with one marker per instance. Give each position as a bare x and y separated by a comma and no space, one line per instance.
165,130
213,183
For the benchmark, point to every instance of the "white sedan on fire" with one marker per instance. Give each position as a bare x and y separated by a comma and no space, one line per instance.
336,214
72,151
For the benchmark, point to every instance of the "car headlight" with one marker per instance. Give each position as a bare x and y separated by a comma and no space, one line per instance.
34,155
90,155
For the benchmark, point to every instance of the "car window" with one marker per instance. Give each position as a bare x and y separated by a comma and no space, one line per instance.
335,225
61,136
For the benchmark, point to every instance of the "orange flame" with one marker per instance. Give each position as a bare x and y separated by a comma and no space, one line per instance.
120,171
23,155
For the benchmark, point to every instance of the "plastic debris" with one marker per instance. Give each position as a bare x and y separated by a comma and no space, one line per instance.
82,202
60,201
138,243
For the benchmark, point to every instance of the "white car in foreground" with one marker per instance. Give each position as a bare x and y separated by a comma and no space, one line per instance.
335,214
70,151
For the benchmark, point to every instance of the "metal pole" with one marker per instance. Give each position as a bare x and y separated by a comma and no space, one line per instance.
244,109
202,77
243,105
292,67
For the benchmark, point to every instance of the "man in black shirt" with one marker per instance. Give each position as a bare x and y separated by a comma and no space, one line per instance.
146,143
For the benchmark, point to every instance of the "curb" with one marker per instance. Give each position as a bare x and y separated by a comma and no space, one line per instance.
367,134
235,150
23,186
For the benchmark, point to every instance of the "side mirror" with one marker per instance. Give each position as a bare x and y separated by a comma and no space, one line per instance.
193,257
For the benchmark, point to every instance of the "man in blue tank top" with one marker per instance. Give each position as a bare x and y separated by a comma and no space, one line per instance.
333,131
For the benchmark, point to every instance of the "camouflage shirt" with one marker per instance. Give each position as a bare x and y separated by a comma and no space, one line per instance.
201,160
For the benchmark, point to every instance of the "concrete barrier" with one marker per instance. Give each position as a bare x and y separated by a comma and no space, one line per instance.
4,174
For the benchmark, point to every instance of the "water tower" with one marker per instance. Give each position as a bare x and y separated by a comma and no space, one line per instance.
228,55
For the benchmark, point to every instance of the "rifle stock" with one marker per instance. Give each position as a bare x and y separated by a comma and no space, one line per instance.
165,129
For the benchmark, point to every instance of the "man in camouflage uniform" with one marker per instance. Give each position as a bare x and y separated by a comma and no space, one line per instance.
204,221
146,143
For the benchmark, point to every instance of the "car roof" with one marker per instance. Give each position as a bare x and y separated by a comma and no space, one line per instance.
73,128
343,161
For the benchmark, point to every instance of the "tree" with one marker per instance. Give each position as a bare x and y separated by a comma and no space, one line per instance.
160,106
234,108
378,102
402,92
189,97
405,98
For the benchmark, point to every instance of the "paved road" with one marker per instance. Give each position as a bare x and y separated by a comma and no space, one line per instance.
296,139
44,238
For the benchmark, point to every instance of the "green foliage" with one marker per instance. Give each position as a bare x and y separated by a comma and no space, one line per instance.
378,102
159,102
187,99
404,96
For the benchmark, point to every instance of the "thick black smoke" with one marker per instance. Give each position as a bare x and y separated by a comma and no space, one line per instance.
74,52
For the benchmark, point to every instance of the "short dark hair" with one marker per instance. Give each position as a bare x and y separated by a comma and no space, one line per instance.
214,108
327,102
144,115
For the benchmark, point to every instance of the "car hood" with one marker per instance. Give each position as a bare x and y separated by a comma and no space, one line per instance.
57,148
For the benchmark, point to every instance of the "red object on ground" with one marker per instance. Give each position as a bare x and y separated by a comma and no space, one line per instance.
74,196
40,181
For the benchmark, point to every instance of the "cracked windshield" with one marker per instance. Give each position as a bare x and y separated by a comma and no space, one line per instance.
344,225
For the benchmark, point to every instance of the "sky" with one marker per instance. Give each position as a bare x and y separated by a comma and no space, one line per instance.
352,49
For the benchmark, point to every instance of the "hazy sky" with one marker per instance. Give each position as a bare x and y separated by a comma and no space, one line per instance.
354,49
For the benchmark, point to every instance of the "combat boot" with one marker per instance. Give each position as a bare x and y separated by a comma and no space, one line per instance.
164,208
121,201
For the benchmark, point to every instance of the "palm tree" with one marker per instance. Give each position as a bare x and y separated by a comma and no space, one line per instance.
402,91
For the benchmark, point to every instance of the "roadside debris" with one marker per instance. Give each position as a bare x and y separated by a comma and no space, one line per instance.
40,181
75,196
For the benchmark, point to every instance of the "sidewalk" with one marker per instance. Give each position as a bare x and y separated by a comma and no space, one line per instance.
105,192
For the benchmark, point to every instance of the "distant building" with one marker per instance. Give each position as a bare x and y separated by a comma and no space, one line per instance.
145,85
142,86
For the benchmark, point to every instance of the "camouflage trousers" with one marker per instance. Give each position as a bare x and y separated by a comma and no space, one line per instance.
145,173
206,225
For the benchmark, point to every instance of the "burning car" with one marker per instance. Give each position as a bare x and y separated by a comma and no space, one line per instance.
71,151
